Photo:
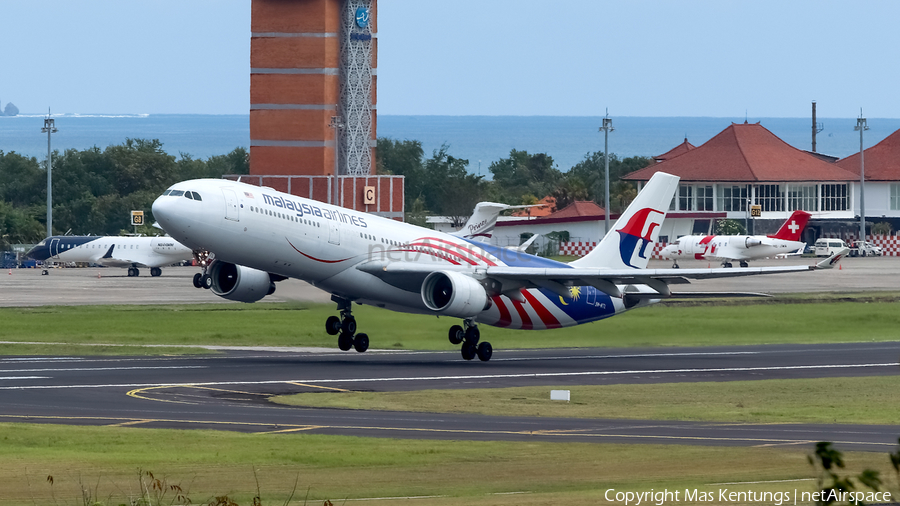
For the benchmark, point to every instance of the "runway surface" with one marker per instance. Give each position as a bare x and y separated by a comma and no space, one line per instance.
230,391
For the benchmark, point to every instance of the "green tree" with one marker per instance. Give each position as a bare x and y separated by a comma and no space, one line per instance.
729,227
590,171
18,226
522,173
403,158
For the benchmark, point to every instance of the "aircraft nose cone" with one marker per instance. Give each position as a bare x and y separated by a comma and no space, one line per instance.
162,211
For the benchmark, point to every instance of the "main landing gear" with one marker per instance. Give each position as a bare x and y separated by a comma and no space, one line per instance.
469,337
133,272
728,264
345,328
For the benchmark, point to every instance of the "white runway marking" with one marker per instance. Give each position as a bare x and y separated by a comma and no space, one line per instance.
462,377
22,377
108,368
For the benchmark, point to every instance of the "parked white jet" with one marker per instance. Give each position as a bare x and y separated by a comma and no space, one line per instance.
728,248
113,251
480,226
258,236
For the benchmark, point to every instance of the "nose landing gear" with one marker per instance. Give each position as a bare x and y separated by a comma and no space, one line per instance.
345,328
469,338
202,279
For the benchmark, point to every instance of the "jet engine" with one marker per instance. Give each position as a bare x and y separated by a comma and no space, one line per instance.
454,294
639,296
239,283
751,242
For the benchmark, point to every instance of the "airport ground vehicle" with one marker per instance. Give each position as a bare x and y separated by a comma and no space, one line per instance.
826,246
864,249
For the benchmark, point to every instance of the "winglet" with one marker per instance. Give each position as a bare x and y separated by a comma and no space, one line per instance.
833,260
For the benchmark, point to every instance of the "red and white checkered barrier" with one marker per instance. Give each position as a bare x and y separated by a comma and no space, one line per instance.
889,244
580,249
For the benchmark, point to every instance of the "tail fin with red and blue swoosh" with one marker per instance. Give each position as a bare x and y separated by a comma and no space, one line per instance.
630,242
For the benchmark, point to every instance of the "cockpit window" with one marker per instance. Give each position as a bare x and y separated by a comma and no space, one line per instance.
187,195
166,193
176,193
196,196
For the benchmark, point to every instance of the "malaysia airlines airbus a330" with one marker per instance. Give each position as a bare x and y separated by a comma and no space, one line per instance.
256,236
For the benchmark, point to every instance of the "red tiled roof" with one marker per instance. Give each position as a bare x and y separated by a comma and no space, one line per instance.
580,209
545,210
680,149
882,160
745,153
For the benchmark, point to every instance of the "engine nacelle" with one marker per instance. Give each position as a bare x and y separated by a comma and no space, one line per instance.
454,294
751,242
637,296
239,283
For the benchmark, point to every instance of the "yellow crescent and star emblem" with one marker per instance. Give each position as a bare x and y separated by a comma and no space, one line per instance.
574,294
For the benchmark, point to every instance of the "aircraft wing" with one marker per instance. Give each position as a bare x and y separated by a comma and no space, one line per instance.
509,280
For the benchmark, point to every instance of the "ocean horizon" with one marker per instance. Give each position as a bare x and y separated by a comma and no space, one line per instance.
479,139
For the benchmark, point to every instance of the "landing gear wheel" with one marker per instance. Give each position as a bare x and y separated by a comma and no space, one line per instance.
206,281
472,335
349,325
727,265
45,272
361,343
156,272
675,265
136,272
345,341
457,334
468,351
485,351
333,325
197,280
745,264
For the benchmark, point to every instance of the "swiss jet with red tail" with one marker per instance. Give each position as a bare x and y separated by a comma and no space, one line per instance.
258,236
741,248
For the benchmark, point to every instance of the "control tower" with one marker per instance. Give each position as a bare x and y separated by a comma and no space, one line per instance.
312,102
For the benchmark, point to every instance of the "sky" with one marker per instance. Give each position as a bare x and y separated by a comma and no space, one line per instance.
718,58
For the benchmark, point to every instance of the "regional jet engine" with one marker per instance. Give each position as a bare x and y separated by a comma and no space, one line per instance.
454,294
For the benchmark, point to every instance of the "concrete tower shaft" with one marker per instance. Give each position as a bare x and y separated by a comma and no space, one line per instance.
311,60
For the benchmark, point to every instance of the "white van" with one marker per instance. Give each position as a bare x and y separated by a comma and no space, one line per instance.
826,247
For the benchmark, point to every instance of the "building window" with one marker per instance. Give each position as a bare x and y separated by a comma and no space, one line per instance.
705,198
732,198
685,198
803,197
834,197
770,197
895,196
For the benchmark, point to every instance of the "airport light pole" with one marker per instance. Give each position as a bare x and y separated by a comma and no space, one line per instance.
336,123
606,129
862,127
49,128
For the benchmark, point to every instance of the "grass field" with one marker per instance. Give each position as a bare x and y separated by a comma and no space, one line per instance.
105,461
303,325
865,400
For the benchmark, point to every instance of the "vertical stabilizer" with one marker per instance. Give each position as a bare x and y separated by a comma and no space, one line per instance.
792,229
630,242
480,226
